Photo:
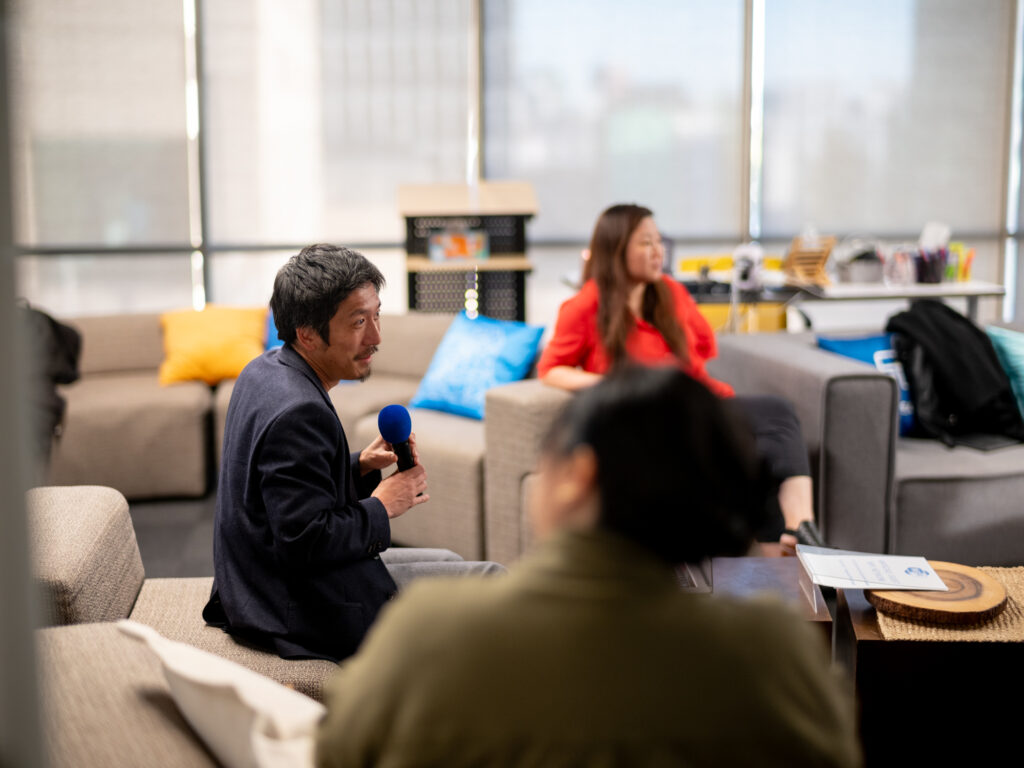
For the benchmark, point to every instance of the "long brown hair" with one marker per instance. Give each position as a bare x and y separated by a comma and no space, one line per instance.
607,266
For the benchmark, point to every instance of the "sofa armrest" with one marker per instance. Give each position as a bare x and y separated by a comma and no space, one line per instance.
84,553
518,416
848,414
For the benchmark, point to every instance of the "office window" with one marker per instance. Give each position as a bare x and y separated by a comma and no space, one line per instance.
603,102
98,122
106,284
315,113
882,115
247,277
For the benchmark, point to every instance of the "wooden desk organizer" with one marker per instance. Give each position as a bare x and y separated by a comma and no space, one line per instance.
805,262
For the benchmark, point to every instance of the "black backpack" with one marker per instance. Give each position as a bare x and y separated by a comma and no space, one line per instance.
54,350
959,388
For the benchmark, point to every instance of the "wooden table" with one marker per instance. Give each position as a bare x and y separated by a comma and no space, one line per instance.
745,577
935,703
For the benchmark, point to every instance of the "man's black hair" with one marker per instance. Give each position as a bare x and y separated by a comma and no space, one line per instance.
677,470
311,285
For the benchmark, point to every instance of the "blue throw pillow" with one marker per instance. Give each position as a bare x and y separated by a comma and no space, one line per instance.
272,340
475,355
876,350
1010,351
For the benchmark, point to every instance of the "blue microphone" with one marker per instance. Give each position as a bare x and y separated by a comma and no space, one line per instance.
395,426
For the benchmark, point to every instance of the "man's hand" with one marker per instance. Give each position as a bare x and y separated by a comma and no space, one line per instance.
402,490
376,455
379,454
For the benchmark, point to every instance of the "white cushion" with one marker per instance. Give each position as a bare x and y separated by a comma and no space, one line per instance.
247,720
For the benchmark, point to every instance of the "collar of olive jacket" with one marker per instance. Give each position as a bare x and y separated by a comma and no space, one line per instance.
594,563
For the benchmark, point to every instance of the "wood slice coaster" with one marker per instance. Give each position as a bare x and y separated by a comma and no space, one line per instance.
973,596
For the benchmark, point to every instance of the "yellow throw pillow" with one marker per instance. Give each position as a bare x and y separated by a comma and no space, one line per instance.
211,345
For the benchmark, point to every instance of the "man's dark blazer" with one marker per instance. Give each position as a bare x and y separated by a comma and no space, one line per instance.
296,535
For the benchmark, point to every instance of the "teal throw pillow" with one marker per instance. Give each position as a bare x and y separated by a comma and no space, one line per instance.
877,351
1010,351
272,340
475,355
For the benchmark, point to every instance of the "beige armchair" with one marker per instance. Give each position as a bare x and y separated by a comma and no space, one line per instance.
517,418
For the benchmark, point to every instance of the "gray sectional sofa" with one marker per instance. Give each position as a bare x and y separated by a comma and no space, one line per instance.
121,428
877,491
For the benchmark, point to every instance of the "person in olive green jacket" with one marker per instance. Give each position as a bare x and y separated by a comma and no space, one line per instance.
588,653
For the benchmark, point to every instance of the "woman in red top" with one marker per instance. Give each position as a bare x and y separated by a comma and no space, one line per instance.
629,310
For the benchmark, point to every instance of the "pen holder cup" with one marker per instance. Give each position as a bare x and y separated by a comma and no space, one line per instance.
930,266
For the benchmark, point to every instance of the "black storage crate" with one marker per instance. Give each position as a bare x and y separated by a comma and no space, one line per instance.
499,294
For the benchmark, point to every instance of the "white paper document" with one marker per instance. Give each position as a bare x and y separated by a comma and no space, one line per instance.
842,569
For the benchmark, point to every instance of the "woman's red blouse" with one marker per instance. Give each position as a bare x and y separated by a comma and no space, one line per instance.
576,342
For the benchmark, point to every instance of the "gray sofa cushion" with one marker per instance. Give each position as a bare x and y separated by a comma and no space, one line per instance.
114,343
174,607
127,432
959,504
847,411
352,400
408,343
356,399
451,448
85,555
106,703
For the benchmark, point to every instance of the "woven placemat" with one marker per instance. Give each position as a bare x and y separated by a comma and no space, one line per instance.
1007,627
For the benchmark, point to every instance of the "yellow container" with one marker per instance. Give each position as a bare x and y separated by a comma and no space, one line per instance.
720,262
751,318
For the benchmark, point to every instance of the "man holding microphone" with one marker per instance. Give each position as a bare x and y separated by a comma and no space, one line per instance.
301,531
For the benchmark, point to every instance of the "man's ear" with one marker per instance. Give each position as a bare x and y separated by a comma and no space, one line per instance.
307,339
581,472
576,489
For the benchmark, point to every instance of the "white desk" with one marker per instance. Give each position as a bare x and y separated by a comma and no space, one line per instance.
972,290
777,288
